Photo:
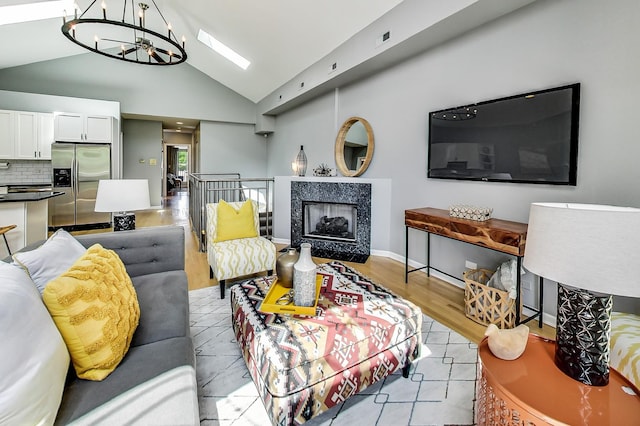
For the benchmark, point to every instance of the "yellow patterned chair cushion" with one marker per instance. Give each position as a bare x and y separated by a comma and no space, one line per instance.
625,346
238,257
95,307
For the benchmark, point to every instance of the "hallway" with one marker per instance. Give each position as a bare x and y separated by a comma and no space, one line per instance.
175,211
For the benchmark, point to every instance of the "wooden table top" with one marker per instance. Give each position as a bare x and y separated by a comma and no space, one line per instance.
497,234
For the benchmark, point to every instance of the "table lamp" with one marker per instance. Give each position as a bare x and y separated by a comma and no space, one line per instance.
122,196
592,252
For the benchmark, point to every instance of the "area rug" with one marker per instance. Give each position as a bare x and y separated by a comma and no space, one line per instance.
440,389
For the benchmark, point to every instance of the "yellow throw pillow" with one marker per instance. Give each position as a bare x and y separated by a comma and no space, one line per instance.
234,224
95,307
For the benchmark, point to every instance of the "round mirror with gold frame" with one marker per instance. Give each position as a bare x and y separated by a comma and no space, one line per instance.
354,147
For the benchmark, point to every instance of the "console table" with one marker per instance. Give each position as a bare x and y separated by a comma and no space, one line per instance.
500,235
531,390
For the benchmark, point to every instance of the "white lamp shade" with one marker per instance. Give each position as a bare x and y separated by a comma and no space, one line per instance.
122,195
586,246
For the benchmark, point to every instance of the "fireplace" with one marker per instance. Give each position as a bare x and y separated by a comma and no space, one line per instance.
332,221
334,217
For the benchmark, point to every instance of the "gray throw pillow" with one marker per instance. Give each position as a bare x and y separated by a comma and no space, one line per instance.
51,259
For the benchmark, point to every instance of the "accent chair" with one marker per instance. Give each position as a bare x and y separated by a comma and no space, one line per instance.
234,245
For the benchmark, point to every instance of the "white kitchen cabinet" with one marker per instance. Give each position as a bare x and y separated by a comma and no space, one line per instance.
71,127
26,135
45,135
7,134
30,218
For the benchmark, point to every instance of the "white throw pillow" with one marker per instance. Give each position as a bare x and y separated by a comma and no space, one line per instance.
34,357
51,259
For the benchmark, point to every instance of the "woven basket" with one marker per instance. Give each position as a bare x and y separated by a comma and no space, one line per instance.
486,305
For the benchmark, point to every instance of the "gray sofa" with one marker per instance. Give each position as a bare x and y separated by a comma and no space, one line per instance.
156,381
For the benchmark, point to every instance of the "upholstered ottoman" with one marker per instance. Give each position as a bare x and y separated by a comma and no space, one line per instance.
304,365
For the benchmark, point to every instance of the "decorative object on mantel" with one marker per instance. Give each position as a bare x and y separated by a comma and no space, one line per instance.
507,344
299,166
324,171
591,251
284,267
304,278
464,211
131,41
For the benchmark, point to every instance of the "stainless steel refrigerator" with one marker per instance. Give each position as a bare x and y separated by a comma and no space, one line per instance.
77,168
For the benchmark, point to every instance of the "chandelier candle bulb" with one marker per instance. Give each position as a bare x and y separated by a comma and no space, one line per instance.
104,11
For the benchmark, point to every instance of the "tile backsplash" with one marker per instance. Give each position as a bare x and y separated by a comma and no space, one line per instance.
25,172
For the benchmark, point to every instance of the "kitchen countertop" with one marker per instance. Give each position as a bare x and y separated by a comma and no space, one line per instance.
28,196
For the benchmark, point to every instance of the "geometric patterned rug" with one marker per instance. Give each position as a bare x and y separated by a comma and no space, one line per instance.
440,389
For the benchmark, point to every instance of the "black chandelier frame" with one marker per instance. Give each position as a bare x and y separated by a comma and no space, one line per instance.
141,41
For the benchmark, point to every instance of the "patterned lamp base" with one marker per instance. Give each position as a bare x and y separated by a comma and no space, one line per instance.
583,331
124,222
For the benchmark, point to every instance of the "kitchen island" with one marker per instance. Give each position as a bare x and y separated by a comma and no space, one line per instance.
29,212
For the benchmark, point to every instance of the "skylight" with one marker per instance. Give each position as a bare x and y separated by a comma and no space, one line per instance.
209,41
34,11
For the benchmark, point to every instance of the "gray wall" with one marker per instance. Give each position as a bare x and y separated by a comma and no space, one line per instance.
232,148
175,91
142,140
543,45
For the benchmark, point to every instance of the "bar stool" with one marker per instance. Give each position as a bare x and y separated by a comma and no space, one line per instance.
3,231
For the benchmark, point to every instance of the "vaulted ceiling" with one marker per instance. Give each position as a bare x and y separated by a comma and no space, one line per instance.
281,38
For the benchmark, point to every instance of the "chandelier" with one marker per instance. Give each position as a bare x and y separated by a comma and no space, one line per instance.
131,41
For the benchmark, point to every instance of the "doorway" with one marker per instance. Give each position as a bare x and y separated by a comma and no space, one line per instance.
177,159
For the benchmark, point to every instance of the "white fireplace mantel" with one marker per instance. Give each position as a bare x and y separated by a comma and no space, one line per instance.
380,208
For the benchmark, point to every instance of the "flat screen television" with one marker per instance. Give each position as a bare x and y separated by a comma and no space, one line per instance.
527,138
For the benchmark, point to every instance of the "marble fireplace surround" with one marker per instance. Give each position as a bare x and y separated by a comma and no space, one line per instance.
380,209
358,194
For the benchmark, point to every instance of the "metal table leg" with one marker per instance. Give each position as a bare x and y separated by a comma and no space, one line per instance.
541,300
406,254
518,282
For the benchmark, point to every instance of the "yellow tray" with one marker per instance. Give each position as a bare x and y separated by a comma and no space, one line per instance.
276,291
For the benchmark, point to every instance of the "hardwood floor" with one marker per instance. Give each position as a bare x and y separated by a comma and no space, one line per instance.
438,299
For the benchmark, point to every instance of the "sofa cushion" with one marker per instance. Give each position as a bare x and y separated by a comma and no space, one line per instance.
94,306
141,366
164,307
51,259
34,357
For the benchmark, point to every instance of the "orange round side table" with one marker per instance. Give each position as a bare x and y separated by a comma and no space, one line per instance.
531,390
